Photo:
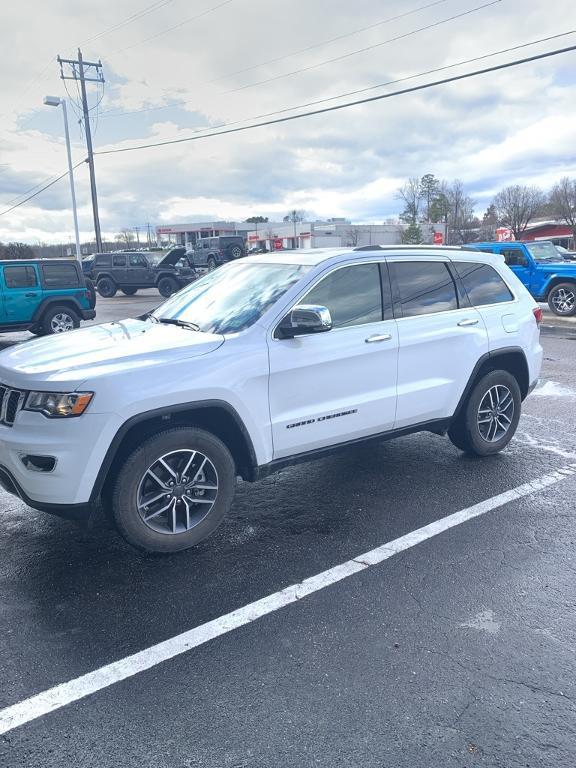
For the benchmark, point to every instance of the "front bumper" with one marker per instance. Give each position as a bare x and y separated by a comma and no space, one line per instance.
78,446
78,512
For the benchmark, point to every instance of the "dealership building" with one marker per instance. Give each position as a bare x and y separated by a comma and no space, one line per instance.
305,234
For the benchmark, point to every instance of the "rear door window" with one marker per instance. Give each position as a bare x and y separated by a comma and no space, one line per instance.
119,260
424,287
482,283
20,277
63,275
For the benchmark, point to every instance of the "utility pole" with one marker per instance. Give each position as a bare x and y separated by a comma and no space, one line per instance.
86,71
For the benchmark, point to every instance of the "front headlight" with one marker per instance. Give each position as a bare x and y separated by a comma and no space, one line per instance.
58,404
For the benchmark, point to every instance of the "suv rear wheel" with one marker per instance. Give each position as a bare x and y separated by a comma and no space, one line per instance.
562,299
58,320
174,490
167,286
106,287
129,291
489,419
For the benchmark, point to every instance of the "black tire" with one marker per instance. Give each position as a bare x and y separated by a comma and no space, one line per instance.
562,299
211,263
106,287
129,291
167,286
58,319
91,293
134,474
235,251
466,433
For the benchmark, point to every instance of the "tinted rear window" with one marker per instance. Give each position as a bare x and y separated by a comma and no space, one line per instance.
424,287
103,261
482,283
63,275
119,260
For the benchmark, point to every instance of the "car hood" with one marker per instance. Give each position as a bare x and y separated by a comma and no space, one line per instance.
68,359
172,257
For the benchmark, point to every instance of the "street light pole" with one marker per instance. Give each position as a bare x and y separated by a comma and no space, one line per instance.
54,101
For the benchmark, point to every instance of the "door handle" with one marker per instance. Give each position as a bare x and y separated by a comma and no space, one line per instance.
31,295
378,337
468,321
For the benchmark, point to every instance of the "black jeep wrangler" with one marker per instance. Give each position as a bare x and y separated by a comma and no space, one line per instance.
128,271
211,252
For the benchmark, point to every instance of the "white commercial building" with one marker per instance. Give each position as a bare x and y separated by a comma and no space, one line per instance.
305,234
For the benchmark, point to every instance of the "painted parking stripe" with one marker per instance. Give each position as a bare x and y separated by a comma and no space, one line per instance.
61,695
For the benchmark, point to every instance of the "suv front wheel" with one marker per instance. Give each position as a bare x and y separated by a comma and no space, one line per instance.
562,299
174,490
167,286
490,417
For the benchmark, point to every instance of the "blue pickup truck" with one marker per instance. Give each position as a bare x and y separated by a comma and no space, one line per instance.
543,271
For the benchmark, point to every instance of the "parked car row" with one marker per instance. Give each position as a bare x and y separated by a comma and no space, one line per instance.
130,271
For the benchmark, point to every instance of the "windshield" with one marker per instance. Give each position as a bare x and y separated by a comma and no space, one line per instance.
543,251
231,298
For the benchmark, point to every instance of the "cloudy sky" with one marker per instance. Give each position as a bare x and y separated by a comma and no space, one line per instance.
175,66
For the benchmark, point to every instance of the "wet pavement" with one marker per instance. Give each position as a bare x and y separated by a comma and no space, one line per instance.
457,652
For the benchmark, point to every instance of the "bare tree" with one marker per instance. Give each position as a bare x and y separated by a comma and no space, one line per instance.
126,237
411,194
563,202
517,205
353,236
295,216
458,209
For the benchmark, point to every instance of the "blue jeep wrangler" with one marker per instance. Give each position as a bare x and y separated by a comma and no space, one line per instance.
543,271
44,296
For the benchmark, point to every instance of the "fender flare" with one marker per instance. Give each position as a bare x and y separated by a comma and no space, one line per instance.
165,412
56,301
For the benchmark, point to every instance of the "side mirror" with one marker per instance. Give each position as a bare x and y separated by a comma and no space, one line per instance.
304,319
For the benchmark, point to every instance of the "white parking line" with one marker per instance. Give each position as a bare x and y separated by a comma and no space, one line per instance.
74,690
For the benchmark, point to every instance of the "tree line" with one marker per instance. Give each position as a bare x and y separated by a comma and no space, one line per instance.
435,201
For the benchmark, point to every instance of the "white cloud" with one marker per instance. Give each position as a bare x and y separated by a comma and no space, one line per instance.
497,129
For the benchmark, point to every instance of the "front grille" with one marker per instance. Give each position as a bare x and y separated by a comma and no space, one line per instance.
11,401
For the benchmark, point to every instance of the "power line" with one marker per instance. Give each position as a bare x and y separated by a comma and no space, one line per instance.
336,107
365,49
388,82
46,186
112,113
176,26
330,40
135,16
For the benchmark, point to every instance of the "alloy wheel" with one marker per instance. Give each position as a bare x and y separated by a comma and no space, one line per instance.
495,413
564,301
61,322
177,491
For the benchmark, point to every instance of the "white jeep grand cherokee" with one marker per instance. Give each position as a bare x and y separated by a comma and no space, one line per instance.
266,361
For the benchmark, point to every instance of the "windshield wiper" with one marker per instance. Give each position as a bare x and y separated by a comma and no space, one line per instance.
180,323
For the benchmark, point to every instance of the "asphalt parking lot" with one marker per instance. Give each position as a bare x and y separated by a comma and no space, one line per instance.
453,646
